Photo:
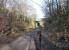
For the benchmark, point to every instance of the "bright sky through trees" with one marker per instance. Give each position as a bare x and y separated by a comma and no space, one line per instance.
37,5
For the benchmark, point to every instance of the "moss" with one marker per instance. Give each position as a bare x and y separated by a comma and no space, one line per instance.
3,10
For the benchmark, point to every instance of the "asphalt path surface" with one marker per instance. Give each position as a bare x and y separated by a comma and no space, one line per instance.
30,41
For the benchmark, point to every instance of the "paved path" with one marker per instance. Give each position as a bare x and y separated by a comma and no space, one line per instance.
22,43
29,42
